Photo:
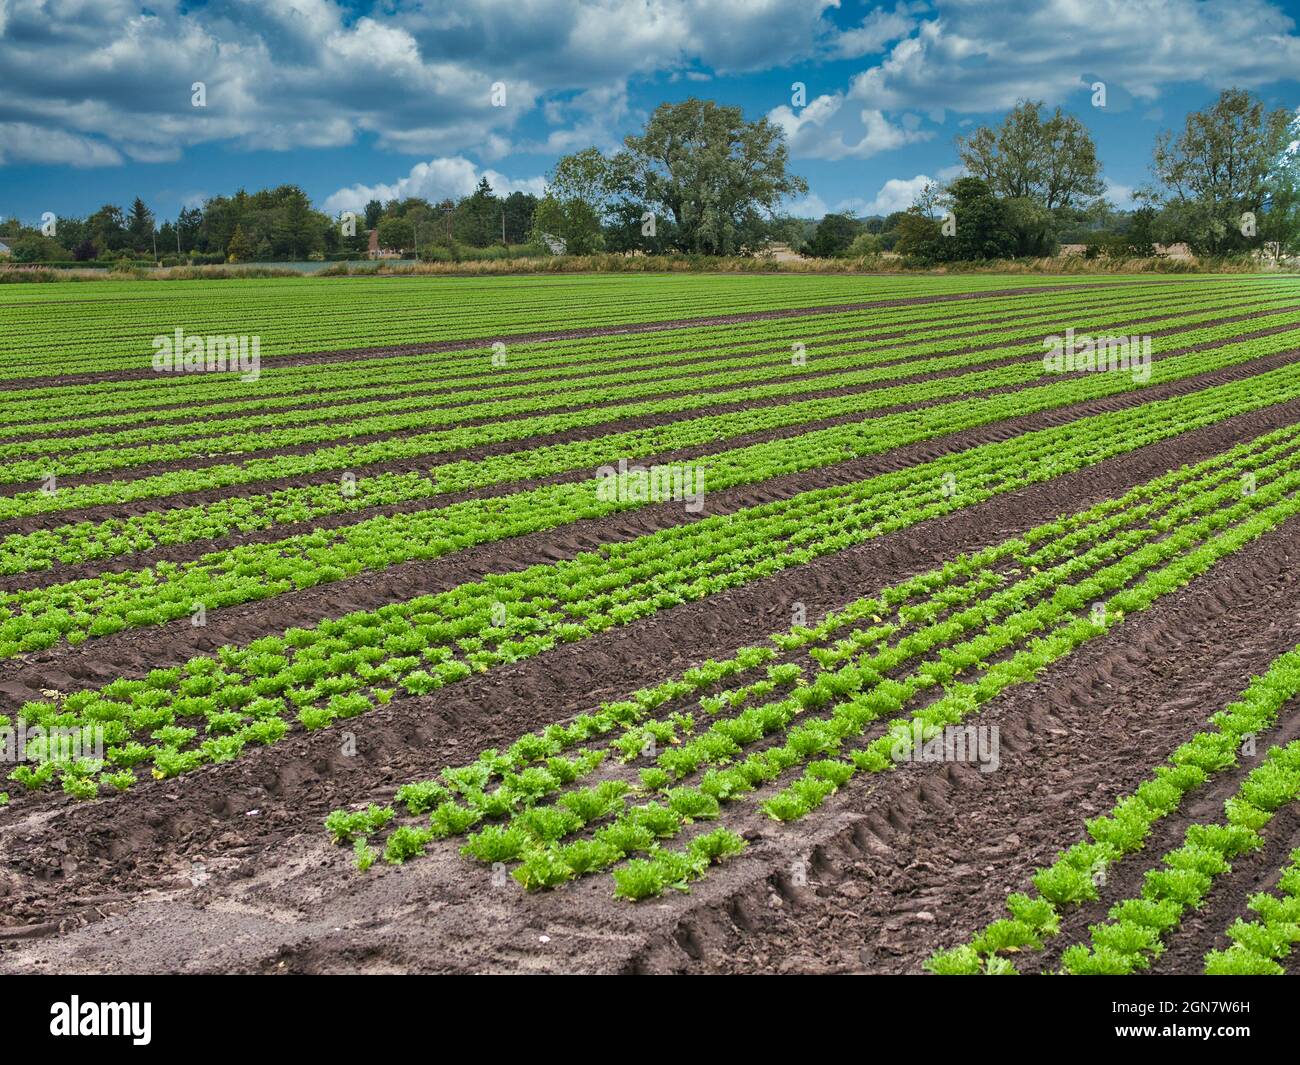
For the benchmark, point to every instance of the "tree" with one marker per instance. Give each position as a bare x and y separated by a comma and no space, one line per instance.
865,244
708,171
834,234
519,208
240,248
1230,160
374,211
33,247
85,251
188,225
915,236
107,227
1032,228
140,226
477,219
983,224
295,229
573,221
1052,163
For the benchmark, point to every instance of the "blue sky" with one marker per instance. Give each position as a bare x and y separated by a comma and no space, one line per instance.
360,100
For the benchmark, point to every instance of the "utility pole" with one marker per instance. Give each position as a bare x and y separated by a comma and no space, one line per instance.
154,235
415,228
503,226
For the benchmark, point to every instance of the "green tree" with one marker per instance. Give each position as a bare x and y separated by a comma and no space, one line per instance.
834,234
1230,161
1053,163
574,221
189,223
715,176
139,226
519,208
915,236
240,248
478,217
108,228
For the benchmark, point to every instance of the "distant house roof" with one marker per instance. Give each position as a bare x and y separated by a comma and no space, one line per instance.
4,248
555,245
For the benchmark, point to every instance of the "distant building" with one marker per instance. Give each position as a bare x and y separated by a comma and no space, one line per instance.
555,245
5,249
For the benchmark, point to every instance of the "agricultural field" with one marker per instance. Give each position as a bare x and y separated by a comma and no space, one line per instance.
651,624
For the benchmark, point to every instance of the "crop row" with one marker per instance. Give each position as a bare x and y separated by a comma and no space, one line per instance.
89,540
472,403
1134,932
1078,872
858,693
342,668
240,438
1258,945
97,606
104,331
558,358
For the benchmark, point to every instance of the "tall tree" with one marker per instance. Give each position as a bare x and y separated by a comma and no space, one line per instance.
519,208
1053,163
140,226
477,220
715,176
1231,159
188,225
240,248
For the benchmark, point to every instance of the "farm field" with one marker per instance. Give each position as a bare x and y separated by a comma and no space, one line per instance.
651,624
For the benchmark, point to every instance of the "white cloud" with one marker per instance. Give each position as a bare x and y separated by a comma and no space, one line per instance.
22,142
811,206
435,180
819,131
897,194
415,75
875,31
976,57
1120,195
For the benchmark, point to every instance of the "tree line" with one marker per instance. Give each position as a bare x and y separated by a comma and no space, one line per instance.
1227,184
278,225
701,180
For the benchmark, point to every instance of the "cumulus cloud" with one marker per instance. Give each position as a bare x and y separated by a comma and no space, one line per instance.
825,130
897,194
435,180
976,57
1119,194
23,142
416,76
811,206
874,32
